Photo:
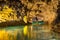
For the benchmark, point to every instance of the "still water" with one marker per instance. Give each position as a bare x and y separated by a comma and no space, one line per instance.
35,32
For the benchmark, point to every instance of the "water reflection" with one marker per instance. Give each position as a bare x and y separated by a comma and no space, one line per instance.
33,32
41,32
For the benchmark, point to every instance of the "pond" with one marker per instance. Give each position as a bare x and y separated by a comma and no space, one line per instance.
32,32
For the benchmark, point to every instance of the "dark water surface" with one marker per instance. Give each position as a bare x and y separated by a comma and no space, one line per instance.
35,33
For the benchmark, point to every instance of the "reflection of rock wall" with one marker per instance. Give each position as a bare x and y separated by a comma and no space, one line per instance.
11,35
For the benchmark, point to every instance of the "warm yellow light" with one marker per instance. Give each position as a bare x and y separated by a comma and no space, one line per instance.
25,19
25,30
